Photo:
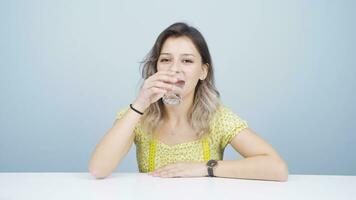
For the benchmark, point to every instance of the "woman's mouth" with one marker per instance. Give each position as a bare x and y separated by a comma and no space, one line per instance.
180,83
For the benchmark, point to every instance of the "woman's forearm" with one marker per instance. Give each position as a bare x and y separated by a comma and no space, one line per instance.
263,167
114,145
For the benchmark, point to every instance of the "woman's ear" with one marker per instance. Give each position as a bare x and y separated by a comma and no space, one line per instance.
205,68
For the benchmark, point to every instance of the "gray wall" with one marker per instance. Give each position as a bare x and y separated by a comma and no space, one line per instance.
67,67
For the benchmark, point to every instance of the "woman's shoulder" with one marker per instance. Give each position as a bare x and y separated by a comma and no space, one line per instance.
226,124
222,112
226,119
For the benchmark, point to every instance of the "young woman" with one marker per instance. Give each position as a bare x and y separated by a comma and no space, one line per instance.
186,139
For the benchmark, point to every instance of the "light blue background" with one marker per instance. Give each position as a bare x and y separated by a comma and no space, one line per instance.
67,67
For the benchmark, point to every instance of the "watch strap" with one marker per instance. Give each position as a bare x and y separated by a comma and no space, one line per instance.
211,164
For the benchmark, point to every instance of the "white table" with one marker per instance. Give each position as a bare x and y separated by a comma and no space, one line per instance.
119,186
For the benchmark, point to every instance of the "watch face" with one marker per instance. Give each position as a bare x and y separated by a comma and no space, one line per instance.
212,163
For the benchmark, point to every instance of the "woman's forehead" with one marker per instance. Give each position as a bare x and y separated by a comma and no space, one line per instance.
179,46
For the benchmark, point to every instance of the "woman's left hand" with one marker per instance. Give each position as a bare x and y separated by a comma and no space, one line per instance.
182,169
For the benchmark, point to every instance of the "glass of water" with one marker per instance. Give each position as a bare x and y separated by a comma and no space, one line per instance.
171,98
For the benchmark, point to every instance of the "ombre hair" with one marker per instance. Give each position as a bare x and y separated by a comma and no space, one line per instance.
206,97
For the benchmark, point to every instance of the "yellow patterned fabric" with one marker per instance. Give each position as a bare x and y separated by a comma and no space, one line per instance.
152,154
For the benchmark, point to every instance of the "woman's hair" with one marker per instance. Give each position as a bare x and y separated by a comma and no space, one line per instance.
206,97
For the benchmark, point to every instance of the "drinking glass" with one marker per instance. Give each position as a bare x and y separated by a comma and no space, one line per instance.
171,98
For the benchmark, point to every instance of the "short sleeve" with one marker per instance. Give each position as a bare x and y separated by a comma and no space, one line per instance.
228,125
121,113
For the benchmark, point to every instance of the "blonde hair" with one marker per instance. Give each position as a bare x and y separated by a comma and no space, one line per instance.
206,97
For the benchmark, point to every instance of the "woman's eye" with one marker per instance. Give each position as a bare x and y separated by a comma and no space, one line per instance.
164,60
187,61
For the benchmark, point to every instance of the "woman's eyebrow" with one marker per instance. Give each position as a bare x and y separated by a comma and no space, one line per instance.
187,54
165,54
183,54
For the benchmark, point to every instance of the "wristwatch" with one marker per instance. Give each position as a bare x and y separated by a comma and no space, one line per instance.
211,164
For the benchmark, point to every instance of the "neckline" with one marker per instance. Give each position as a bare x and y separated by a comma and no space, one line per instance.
153,138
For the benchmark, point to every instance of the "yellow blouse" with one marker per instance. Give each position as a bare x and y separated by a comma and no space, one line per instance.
152,154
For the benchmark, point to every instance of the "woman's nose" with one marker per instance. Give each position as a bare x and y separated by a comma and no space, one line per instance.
175,67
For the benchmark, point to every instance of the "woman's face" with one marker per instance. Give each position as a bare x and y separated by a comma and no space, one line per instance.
180,54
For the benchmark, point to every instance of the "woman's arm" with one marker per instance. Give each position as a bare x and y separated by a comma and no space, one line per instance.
114,145
118,141
260,161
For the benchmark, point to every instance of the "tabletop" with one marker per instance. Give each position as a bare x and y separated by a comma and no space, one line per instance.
143,186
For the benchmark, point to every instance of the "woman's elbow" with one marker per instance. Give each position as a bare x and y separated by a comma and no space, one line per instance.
282,172
98,173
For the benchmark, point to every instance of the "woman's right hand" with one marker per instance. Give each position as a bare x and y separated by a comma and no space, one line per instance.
154,87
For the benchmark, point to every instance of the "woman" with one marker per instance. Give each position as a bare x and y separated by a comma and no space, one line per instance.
188,139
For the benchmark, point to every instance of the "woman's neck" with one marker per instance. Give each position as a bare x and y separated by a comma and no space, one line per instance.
176,114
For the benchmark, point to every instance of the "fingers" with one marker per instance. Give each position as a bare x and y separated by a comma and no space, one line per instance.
167,76
166,167
172,173
159,84
169,173
164,80
172,170
157,94
157,90
165,86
